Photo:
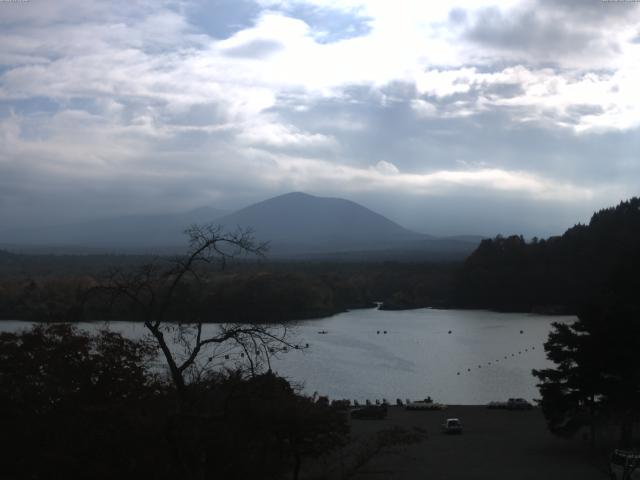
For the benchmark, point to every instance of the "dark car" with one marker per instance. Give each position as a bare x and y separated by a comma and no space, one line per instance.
372,412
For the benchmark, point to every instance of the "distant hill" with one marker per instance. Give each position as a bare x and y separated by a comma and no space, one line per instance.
297,222
299,225
558,274
296,225
133,232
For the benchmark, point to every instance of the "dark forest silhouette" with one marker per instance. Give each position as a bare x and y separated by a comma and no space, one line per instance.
559,274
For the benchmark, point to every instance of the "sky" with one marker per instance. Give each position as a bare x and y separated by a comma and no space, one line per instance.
450,117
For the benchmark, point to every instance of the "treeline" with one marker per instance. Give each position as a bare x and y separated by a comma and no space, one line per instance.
243,292
559,274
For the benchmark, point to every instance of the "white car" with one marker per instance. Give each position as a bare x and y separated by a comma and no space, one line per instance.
452,425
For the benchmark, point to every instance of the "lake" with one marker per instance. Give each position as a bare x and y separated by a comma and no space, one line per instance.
460,357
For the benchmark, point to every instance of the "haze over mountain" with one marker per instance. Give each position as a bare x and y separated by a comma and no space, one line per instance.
295,225
132,232
312,223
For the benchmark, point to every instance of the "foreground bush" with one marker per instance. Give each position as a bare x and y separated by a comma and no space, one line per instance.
75,405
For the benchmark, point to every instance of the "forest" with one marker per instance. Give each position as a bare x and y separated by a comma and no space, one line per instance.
554,276
559,274
52,289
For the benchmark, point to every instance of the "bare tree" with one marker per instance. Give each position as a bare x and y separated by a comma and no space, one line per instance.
151,290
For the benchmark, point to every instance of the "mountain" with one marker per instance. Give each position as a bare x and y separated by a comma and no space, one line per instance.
132,232
298,222
301,225
296,225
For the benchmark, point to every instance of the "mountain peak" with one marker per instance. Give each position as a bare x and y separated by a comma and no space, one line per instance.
319,224
295,195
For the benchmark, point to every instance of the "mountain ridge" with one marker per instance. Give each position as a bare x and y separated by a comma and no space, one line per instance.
296,225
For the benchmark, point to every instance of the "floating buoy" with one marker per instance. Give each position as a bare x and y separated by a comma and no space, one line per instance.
378,332
226,357
458,373
505,357
521,332
385,332
449,332
468,369
306,345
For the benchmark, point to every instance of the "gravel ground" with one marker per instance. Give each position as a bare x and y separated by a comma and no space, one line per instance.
496,444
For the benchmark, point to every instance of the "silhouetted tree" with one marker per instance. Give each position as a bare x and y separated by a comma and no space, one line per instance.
596,376
558,274
167,297
72,402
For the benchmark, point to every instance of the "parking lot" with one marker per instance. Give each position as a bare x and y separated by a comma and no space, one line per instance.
495,444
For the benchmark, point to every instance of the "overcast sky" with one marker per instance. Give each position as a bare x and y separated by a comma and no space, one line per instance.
448,116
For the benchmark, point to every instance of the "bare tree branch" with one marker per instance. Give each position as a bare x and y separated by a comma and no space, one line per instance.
152,288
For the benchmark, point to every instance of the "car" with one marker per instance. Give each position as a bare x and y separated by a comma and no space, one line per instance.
518,404
452,425
624,464
371,412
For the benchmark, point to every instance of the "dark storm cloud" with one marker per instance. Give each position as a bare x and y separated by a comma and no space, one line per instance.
369,130
597,12
537,32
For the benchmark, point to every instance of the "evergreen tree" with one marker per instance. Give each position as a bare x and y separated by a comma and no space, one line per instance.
596,378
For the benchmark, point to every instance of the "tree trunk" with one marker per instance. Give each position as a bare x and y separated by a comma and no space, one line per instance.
176,374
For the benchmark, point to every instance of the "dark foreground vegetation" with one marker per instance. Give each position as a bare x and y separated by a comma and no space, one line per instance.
75,405
594,387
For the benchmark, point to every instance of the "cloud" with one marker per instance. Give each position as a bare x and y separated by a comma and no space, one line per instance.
176,103
386,168
385,177
275,134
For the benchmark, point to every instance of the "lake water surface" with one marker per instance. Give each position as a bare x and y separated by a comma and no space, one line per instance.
417,356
